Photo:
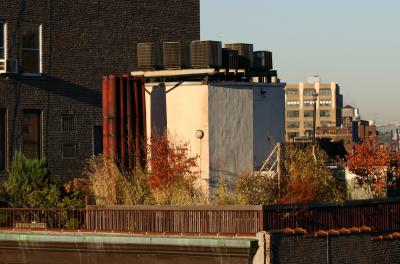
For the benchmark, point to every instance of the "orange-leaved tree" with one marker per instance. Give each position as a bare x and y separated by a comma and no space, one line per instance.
173,171
369,162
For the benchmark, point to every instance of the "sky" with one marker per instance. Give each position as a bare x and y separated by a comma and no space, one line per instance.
355,43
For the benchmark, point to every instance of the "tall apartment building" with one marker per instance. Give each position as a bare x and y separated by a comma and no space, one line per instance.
300,107
57,53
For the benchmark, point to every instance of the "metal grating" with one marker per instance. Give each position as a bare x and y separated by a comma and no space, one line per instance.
69,151
172,57
148,56
206,54
245,54
230,58
68,123
263,60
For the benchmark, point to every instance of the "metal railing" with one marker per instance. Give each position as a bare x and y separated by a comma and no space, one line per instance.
381,216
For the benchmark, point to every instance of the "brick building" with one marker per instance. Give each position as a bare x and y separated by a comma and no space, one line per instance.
52,107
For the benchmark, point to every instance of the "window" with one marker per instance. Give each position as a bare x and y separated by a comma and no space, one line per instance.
31,48
293,124
325,92
308,92
308,102
308,133
68,123
293,102
69,151
293,134
293,113
2,41
324,113
2,140
308,113
325,123
308,124
325,102
97,140
292,92
32,134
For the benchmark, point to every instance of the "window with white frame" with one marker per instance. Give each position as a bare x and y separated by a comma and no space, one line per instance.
325,102
293,102
308,102
31,48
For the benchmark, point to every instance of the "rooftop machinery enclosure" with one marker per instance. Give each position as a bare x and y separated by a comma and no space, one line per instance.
124,119
263,60
176,55
148,56
245,54
206,54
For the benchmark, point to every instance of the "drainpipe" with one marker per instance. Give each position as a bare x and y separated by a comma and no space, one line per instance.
105,115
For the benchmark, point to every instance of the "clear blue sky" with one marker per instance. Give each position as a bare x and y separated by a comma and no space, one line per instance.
353,42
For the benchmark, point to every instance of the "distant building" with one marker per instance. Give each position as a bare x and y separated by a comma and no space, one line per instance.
300,107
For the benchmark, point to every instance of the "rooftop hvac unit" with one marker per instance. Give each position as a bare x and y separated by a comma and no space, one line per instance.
245,54
206,54
148,56
263,60
8,66
230,58
176,55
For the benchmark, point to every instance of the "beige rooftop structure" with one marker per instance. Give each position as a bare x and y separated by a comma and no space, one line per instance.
231,126
300,107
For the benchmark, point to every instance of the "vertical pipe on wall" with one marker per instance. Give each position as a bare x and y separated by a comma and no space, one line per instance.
130,117
105,115
144,135
137,123
122,118
112,116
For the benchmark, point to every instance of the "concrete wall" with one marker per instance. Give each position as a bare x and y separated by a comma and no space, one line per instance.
269,119
231,131
182,109
62,248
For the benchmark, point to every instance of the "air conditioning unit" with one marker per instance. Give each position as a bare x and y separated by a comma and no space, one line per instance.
230,58
263,60
245,54
206,54
148,56
8,66
176,55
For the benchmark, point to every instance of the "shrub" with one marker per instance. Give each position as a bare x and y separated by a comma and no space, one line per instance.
257,188
29,184
111,186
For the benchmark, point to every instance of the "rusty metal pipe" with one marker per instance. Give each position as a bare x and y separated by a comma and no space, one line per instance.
122,119
106,150
112,104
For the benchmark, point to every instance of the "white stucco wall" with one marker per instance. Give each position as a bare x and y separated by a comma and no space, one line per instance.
231,131
185,107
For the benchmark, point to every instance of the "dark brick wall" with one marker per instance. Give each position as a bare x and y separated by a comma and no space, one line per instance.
354,249
82,40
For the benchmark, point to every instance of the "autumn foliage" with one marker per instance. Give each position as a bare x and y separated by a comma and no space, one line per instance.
170,162
370,162
307,176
